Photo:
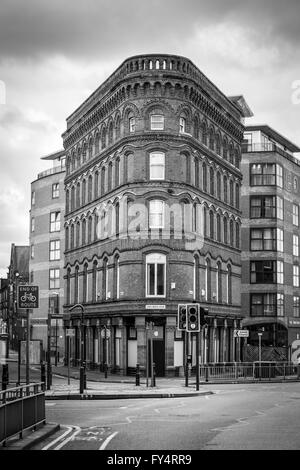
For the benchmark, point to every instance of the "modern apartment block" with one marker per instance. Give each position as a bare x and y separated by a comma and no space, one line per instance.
47,251
270,202
155,138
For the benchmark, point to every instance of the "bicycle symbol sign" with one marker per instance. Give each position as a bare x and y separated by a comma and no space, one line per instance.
28,297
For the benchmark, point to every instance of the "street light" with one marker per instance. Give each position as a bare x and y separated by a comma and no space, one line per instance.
82,353
260,333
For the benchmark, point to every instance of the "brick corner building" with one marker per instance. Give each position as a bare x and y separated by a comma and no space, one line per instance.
155,138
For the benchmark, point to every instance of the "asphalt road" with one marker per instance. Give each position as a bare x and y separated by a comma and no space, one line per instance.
237,417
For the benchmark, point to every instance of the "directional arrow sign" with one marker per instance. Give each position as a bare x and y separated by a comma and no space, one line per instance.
241,333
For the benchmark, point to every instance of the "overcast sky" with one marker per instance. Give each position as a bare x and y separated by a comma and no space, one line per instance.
53,54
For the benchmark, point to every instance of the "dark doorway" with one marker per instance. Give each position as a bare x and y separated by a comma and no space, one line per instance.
158,352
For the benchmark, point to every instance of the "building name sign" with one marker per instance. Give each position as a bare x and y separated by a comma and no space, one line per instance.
293,322
155,307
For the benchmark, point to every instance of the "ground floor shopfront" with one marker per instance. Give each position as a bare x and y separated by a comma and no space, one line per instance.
123,341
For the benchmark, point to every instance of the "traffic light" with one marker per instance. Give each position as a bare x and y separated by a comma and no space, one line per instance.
181,318
193,317
203,314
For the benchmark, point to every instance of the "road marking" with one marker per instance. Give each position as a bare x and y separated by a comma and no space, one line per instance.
107,440
78,429
70,429
123,407
50,404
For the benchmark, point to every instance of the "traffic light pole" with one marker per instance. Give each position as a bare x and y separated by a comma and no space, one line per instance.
197,359
186,359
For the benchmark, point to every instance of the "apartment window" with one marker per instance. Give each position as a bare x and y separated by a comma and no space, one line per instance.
296,275
295,245
54,304
266,207
33,198
157,122
54,221
266,174
266,272
157,166
55,250
32,251
156,214
32,224
55,190
296,306
54,278
132,124
182,125
267,305
296,215
266,240
155,275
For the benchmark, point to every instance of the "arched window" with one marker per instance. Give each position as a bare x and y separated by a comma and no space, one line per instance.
96,185
212,181
157,165
225,149
67,201
83,194
229,284
237,235
196,161
72,198
97,142
117,219
68,286
208,279
72,237
117,173
102,181
219,282
225,228
85,284
218,186
182,125
218,144
78,195
67,237
90,188
110,134
231,154
76,287
211,225
105,279
231,192
118,127
90,224
196,128
109,182
196,277
211,139
77,233
117,277
103,138
83,232
237,158
218,227
237,196
94,281
225,189
157,122
131,123
155,275
90,148
204,133
156,214
205,221
231,233
204,177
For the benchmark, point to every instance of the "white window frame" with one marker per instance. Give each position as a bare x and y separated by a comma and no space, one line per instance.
160,163
295,275
279,240
32,224
160,213
55,190
296,215
54,254
157,124
132,124
54,278
280,272
55,224
295,245
156,258
182,125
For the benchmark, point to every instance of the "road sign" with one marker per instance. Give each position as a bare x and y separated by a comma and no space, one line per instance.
241,333
28,297
103,333
70,332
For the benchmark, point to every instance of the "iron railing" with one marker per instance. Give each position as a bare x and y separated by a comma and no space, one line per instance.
265,370
21,408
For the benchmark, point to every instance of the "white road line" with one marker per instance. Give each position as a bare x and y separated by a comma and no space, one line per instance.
78,429
107,440
70,429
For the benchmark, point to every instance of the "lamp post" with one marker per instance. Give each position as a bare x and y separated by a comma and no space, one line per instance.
260,333
82,353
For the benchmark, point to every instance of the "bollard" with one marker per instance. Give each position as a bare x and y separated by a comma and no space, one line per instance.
137,375
84,375
206,373
43,372
49,376
81,380
105,370
5,379
154,375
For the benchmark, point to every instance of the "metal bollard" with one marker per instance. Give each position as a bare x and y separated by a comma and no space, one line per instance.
137,375
5,379
81,380
154,375
105,370
206,373
43,372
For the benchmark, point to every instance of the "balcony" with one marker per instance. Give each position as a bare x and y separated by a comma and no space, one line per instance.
52,171
268,147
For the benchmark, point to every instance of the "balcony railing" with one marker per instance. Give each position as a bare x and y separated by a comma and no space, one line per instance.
269,147
52,171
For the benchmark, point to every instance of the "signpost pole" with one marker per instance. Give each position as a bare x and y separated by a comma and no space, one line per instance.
147,356
69,353
151,353
186,359
197,359
27,344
